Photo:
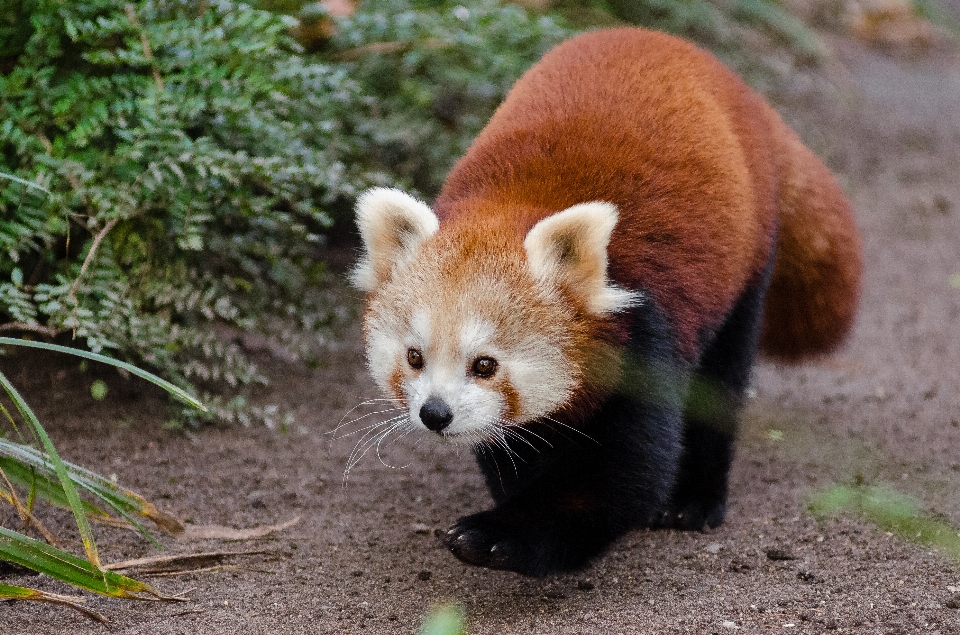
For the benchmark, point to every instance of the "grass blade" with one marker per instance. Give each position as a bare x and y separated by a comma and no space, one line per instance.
64,566
42,486
26,593
176,391
83,525
123,502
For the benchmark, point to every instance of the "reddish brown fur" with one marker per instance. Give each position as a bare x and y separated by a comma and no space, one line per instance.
699,167
815,290
396,383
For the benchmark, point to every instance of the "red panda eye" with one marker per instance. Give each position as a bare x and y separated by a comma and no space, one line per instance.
484,367
414,358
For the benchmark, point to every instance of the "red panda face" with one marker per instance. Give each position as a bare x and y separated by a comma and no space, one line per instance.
470,346
473,329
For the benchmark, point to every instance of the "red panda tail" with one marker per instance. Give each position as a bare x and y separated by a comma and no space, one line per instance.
815,289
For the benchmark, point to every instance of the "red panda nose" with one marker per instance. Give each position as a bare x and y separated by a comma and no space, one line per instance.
436,414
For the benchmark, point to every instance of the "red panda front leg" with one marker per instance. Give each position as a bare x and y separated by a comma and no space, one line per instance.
577,497
561,504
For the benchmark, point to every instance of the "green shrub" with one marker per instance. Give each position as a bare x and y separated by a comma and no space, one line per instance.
203,150
433,77
194,157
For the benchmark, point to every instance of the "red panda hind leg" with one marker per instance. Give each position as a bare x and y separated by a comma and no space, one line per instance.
712,413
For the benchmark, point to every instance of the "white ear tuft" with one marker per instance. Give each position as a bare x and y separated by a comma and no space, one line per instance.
570,247
393,225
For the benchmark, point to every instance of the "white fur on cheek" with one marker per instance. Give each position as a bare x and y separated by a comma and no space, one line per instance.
542,377
383,351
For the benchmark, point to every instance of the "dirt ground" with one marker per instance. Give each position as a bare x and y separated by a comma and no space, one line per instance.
364,559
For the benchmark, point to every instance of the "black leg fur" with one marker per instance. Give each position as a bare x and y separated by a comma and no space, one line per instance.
712,413
659,454
562,498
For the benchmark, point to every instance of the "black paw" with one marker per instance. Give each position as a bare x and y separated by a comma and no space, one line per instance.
485,540
532,546
695,515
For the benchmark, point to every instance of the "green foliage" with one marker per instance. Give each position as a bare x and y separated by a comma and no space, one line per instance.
42,475
719,22
889,510
192,157
433,72
444,620
936,14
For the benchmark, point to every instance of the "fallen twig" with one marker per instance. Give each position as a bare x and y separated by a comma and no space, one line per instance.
90,254
205,532
173,561
32,328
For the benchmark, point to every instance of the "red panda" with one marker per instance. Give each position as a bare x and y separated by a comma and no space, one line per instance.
585,299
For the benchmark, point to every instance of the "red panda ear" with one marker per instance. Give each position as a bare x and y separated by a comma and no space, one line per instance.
569,248
393,225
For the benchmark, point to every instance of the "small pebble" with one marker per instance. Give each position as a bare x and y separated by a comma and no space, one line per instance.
420,528
730,625
953,603
775,553
585,585
713,547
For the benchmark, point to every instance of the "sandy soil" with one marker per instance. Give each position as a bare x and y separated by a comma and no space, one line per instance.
364,559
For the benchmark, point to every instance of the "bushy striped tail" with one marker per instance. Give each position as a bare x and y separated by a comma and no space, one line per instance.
815,289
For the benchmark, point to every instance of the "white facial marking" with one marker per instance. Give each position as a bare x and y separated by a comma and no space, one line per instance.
475,334
420,329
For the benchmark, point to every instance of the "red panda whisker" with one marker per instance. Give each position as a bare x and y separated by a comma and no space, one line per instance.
359,405
366,427
499,440
513,434
403,434
581,432
517,429
384,436
506,448
370,439
372,426
482,447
